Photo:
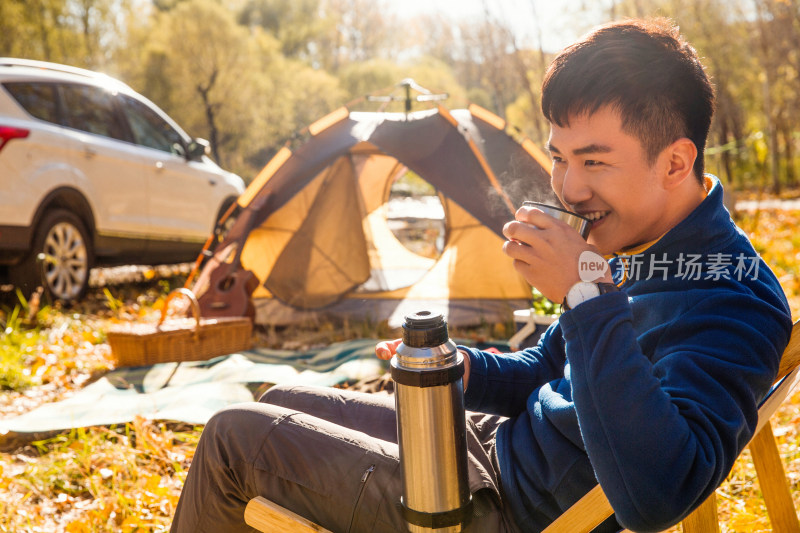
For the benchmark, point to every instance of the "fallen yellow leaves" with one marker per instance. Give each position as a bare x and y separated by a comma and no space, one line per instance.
128,479
125,479
774,235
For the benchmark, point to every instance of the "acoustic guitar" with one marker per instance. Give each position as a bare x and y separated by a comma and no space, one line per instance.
230,287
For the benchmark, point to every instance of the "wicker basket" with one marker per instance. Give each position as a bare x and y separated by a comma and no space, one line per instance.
179,339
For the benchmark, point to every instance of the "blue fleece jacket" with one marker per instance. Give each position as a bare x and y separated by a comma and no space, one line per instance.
652,390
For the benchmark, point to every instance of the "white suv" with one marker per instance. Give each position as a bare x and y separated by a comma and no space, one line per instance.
92,173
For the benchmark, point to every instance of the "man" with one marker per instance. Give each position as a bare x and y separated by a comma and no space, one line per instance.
649,382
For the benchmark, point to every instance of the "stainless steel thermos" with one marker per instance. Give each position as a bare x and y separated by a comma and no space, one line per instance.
428,373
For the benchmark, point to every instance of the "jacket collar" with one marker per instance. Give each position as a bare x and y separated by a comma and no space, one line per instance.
710,214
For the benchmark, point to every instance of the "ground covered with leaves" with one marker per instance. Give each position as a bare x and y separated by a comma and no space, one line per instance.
128,478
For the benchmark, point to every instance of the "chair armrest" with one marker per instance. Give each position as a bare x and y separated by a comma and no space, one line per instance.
584,515
267,516
791,355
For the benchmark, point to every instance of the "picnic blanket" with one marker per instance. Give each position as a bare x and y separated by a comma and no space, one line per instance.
192,391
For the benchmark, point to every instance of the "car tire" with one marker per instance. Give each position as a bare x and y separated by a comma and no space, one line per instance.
60,259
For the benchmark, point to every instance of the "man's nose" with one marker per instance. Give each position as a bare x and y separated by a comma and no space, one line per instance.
574,188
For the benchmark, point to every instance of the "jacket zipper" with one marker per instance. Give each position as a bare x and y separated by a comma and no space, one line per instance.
364,479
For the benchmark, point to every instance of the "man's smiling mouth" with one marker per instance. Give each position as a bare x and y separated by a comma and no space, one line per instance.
594,216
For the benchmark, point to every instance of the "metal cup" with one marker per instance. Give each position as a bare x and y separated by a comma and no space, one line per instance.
574,220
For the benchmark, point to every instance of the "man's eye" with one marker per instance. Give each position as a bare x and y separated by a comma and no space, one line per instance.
593,163
556,159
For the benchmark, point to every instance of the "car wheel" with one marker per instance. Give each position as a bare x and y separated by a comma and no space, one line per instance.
60,259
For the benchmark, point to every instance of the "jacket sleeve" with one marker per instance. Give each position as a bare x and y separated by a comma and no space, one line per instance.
501,383
663,432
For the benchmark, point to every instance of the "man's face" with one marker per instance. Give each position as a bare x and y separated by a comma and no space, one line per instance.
602,173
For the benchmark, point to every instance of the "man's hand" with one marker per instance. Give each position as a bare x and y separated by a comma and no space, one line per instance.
546,252
386,349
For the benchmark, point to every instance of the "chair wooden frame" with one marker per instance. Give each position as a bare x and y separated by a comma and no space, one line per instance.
594,507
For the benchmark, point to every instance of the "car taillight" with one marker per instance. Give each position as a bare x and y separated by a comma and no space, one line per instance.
7,133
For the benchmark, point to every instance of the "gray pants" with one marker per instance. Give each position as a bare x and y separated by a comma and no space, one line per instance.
329,455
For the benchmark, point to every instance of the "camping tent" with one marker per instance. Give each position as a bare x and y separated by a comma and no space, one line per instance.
312,225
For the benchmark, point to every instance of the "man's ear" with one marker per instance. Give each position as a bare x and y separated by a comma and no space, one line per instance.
678,161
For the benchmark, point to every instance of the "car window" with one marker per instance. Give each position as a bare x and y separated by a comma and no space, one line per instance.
91,109
149,129
38,99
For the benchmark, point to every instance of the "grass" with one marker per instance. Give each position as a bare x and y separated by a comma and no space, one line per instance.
125,478
15,374
128,478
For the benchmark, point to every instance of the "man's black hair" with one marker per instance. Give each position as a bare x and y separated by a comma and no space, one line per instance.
643,69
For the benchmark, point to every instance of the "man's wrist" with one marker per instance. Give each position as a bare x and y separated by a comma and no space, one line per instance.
583,291
467,367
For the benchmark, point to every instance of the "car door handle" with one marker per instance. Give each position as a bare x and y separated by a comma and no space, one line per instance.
89,152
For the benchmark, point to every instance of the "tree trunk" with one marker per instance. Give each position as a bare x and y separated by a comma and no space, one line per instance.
211,117
788,152
87,34
490,54
769,113
725,155
43,31
772,136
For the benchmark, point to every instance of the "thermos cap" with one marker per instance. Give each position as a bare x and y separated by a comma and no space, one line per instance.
424,329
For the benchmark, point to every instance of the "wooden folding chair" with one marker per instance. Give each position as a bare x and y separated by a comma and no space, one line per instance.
591,510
